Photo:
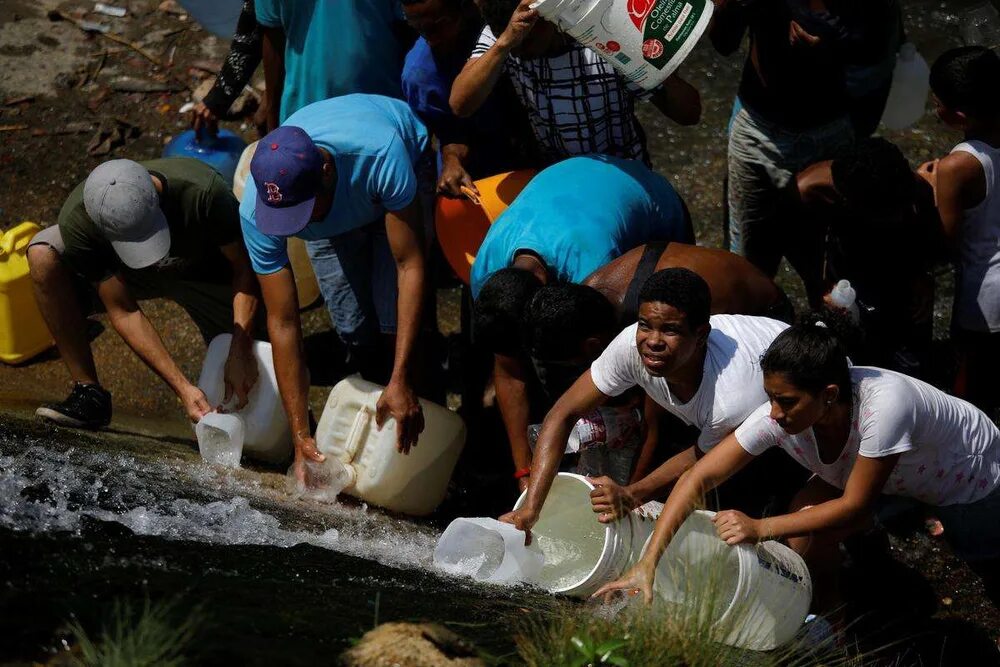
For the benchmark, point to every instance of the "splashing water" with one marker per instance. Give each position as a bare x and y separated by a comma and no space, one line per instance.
43,490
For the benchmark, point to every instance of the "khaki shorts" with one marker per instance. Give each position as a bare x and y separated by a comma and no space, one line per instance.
210,305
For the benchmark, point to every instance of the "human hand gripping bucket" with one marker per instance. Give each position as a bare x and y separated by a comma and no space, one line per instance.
645,40
582,554
758,595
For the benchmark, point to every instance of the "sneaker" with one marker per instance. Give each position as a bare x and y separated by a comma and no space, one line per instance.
88,406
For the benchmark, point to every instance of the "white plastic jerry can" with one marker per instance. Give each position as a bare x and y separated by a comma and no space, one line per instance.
907,100
413,483
265,426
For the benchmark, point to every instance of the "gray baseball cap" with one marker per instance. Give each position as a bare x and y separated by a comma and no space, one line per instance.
121,200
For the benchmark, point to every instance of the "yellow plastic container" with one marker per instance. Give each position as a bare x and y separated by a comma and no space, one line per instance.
23,333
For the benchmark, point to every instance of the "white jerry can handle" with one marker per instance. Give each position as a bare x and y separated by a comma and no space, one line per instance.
353,443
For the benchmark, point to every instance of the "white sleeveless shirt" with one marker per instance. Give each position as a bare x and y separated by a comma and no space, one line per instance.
977,302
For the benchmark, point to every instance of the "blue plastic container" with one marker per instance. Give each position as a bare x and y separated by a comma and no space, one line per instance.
221,152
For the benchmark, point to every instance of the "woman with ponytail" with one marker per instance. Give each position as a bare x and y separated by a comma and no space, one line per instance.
863,432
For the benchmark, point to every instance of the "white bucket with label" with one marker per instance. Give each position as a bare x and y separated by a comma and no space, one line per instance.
582,554
759,594
645,40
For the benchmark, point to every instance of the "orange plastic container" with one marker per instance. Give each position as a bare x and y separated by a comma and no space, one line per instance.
23,333
462,224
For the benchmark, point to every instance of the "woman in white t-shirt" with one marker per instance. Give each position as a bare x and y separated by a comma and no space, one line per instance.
863,432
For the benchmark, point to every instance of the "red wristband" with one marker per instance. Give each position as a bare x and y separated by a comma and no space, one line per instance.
523,472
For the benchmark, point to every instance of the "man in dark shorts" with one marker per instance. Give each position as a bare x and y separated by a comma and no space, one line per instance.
165,228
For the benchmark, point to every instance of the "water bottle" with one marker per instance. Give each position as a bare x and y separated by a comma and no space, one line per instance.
607,441
843,296
910,86
221,152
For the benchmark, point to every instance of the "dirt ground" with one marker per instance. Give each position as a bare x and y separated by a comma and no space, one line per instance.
60,117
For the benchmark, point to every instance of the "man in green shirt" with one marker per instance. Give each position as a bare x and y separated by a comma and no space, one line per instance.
165,228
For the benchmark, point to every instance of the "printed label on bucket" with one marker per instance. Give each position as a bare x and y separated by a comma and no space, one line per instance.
665,26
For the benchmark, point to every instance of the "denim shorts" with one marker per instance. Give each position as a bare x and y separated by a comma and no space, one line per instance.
763,159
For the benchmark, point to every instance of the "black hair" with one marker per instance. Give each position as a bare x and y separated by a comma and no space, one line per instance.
560,317
499,309
874,176
683,289
967,79
497,13
812,354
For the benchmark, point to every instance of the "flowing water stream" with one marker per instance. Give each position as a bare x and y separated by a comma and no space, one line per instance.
123,516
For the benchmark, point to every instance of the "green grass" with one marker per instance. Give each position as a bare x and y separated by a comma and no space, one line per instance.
142,637
663,634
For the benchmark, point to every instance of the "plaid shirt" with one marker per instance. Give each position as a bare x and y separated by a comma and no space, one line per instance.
577,103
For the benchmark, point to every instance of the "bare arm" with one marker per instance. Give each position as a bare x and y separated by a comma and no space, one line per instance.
453,174
241,368
959,184
864,484
512,398
405,234
476,80
652,485
285,331
726,459
581,398
678,100
137,331
273,45
651,417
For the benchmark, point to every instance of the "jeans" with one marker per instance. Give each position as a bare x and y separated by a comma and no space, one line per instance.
356,273
763,160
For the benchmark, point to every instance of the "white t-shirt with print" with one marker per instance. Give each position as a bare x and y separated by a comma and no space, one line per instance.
950,451
732,385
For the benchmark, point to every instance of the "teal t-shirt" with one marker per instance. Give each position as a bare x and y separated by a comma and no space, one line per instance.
376,143
581,213
335,47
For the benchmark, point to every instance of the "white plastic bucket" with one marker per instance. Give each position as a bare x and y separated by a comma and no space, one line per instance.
220,439
645,40
582,554
487,550
760,593
413,483
265,426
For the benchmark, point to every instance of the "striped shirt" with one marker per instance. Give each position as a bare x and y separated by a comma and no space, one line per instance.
577,103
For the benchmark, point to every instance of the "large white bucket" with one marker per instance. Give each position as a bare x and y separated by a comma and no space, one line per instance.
265,426
582,554
759,594
413,483
645,40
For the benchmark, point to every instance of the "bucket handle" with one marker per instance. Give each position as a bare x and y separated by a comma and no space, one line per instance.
471,194
18,238
357,429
